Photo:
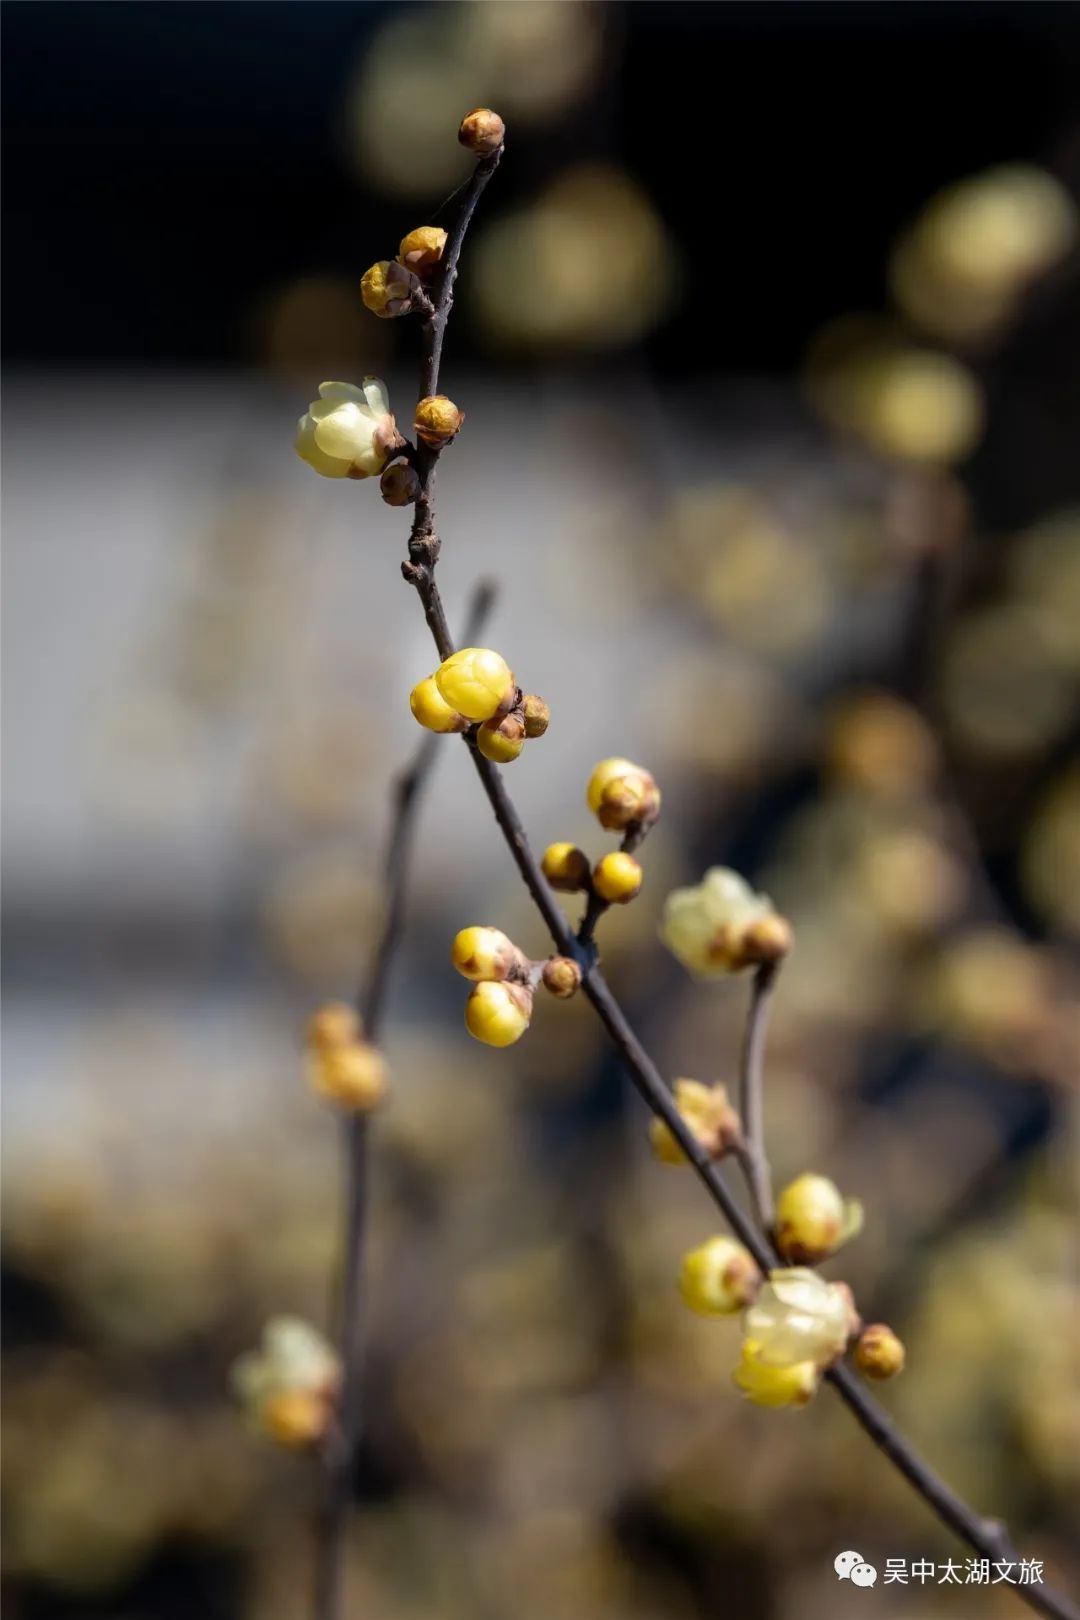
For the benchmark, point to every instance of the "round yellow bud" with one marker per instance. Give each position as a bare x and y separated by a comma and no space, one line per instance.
437,420
566,867
388,289
767,1385
422,249
476,682
482,131
353,1076
813,1220
617,877
621,794
878,1352
537,715
501,741
399,484
719,1277
485,953
333,1024
294,1417
498,1014
431,709
561,976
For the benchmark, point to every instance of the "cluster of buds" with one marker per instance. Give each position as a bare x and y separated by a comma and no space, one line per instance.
436,422
476,687
709,1116
624,797
342,1067
349,431
813,1219
393,287
288,1386
796,1328
721,926
499,1008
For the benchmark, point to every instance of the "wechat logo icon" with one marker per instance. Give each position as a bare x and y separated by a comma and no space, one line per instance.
851,1566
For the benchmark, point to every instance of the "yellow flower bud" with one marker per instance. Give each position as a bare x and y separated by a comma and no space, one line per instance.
482,131
709,1115
333,1024
437,420
498,1014
719,1277
536,713
501,740
476,682
421,250
348,432
294,1417
721,925
617,877
486,953
566,867
431,709
388,289
400,484
352,1076
561,976
878,1352
766,1385
813,1220
621,794
799,1317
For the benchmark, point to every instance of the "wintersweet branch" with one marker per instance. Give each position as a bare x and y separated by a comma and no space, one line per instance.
987,1537
752,1094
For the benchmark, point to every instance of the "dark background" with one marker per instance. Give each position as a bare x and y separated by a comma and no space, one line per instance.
166,161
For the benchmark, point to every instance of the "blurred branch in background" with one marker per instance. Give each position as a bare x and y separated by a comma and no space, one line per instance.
341,1445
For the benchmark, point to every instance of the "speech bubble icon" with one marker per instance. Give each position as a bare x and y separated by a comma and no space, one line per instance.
863,1575
845,1562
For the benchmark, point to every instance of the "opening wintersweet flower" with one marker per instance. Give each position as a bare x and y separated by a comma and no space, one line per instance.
287,1387
799,1317
766,1385
722,925
348,432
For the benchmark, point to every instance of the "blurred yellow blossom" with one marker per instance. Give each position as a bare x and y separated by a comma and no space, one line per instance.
799,1317
721,925
287,1386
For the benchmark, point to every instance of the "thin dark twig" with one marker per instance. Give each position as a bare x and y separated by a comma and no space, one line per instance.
987,1537
406,796
597,905
752,1094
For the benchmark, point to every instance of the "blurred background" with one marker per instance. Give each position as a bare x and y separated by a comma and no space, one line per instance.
768,337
